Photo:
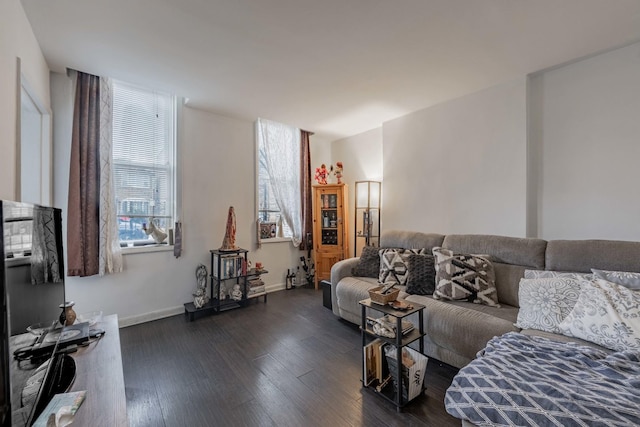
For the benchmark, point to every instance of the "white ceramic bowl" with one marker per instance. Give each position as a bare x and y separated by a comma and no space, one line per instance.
92,317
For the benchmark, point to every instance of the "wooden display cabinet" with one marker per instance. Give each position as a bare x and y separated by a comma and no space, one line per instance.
330,227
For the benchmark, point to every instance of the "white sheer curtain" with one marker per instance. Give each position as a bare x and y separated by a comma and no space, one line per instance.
110,257
282,147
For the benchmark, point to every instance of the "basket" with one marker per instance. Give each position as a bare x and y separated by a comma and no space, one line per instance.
413,377
378,298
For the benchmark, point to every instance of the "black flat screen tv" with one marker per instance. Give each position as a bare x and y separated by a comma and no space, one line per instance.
32,281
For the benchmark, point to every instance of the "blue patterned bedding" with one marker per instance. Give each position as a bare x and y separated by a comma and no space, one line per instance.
533,381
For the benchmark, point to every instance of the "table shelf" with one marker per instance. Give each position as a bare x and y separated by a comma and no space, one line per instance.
400,341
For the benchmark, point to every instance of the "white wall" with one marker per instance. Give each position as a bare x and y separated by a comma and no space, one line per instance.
16,41
361,157
460,166
587,116
218,158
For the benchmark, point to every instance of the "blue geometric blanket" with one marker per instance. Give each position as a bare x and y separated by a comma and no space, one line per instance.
521,380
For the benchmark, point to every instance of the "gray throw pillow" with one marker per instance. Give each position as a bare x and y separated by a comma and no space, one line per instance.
624,278
421,274
369,264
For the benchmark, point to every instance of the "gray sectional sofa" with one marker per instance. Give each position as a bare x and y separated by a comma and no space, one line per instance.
457,330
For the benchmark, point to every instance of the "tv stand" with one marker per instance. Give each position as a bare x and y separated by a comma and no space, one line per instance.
99,372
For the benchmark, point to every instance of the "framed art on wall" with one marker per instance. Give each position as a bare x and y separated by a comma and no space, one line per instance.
267,230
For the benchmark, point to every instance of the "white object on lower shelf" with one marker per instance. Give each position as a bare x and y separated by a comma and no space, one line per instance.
416,371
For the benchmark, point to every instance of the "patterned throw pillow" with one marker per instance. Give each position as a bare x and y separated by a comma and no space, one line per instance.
550,274
369,264
607,314
393,265
624,278
545,303
421,274
464,277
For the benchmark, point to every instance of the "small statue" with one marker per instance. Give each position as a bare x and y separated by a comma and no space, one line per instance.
229,242
200,297
338,172
157,233
321,175
236,293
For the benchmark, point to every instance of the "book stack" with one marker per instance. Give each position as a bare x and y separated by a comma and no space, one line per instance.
256,286
373,356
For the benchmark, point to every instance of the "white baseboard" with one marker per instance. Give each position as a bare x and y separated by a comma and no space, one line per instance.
123,322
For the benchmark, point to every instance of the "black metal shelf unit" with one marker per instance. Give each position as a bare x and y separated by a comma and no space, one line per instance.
227,267
399,341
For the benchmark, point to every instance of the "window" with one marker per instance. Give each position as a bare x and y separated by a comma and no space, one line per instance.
268,210
143,160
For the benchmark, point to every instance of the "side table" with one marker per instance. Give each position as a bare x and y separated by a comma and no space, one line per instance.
399,341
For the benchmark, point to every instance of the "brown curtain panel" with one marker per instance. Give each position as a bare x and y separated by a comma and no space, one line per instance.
83,210
305,188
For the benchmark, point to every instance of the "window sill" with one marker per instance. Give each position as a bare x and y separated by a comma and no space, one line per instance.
276,240
132,250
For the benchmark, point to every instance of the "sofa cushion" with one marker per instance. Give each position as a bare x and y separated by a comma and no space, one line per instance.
507,278
527,252
545,303
410,239
464,328
349,291
625,278
607,314
393,265
369,263
464,277
583,255
421,270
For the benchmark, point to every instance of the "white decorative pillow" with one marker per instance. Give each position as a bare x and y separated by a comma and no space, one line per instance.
549,274
464,277
394,265
607,314
624,278
545,303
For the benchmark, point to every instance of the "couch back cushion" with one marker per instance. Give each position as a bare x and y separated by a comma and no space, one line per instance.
583,255
509,255
410,240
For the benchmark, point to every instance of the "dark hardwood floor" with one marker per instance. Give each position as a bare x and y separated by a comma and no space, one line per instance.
289,362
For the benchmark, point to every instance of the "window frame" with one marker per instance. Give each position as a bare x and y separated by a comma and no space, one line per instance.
148,245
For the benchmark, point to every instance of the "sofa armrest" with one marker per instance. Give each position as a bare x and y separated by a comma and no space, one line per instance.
340,270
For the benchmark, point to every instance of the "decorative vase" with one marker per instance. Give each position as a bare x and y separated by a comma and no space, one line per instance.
68,315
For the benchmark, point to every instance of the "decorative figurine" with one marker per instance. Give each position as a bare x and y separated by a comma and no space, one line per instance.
338,172
321,175
236,293
229,242
200,297
157,233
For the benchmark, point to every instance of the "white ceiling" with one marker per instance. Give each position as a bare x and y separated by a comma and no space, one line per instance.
334,67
